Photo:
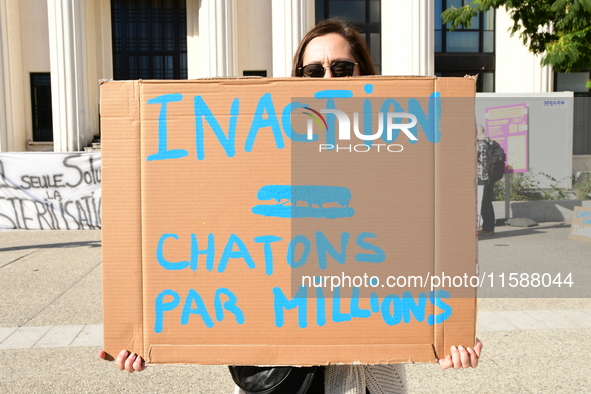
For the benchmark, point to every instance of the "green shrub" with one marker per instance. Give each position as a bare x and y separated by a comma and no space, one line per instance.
523,187
583,186
556,193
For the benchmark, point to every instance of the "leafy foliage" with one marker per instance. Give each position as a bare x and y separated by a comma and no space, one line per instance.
559,30
555,192
525,187
583,186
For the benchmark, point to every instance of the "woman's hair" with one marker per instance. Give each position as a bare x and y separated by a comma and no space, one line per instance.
480,132
347,31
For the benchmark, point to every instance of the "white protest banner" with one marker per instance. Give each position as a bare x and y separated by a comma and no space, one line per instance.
50,191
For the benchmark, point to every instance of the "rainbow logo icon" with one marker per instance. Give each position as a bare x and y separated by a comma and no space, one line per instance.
318,118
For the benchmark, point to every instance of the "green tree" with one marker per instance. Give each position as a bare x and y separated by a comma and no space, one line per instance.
559,30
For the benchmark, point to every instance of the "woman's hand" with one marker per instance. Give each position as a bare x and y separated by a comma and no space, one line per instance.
125,361
462,357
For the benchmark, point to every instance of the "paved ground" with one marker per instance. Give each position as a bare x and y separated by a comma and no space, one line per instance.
50,322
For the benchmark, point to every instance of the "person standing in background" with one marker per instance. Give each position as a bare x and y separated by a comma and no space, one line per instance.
485,184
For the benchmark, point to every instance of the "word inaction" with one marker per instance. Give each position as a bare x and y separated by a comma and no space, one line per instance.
391,118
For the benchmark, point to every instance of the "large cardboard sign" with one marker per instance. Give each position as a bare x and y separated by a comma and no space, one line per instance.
50,191
580,229
289,221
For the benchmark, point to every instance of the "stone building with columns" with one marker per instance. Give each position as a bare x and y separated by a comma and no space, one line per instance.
53,53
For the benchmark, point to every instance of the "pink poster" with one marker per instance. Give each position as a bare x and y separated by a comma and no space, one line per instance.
508,126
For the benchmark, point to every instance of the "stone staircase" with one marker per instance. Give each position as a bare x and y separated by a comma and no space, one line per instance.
95,145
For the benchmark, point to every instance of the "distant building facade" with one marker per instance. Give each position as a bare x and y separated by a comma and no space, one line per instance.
55,52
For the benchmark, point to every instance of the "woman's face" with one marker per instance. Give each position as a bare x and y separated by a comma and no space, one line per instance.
328,49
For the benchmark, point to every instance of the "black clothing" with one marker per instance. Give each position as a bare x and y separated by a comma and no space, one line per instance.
487,211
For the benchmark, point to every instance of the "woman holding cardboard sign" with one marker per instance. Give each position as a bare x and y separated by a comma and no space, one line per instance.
332,49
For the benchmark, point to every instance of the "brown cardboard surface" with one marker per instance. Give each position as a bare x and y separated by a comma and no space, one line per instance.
121,244
580,229
163,217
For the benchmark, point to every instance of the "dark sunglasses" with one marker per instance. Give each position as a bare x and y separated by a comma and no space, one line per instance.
338,69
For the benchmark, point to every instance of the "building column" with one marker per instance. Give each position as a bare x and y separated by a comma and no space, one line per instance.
104,39
292,19
523,73
408,36
74,82
12,109
542,77
211,38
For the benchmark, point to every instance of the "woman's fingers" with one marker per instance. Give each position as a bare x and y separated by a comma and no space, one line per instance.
478,347
446,362
129,362
120,360
473,358
455,358
139,364
464,357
